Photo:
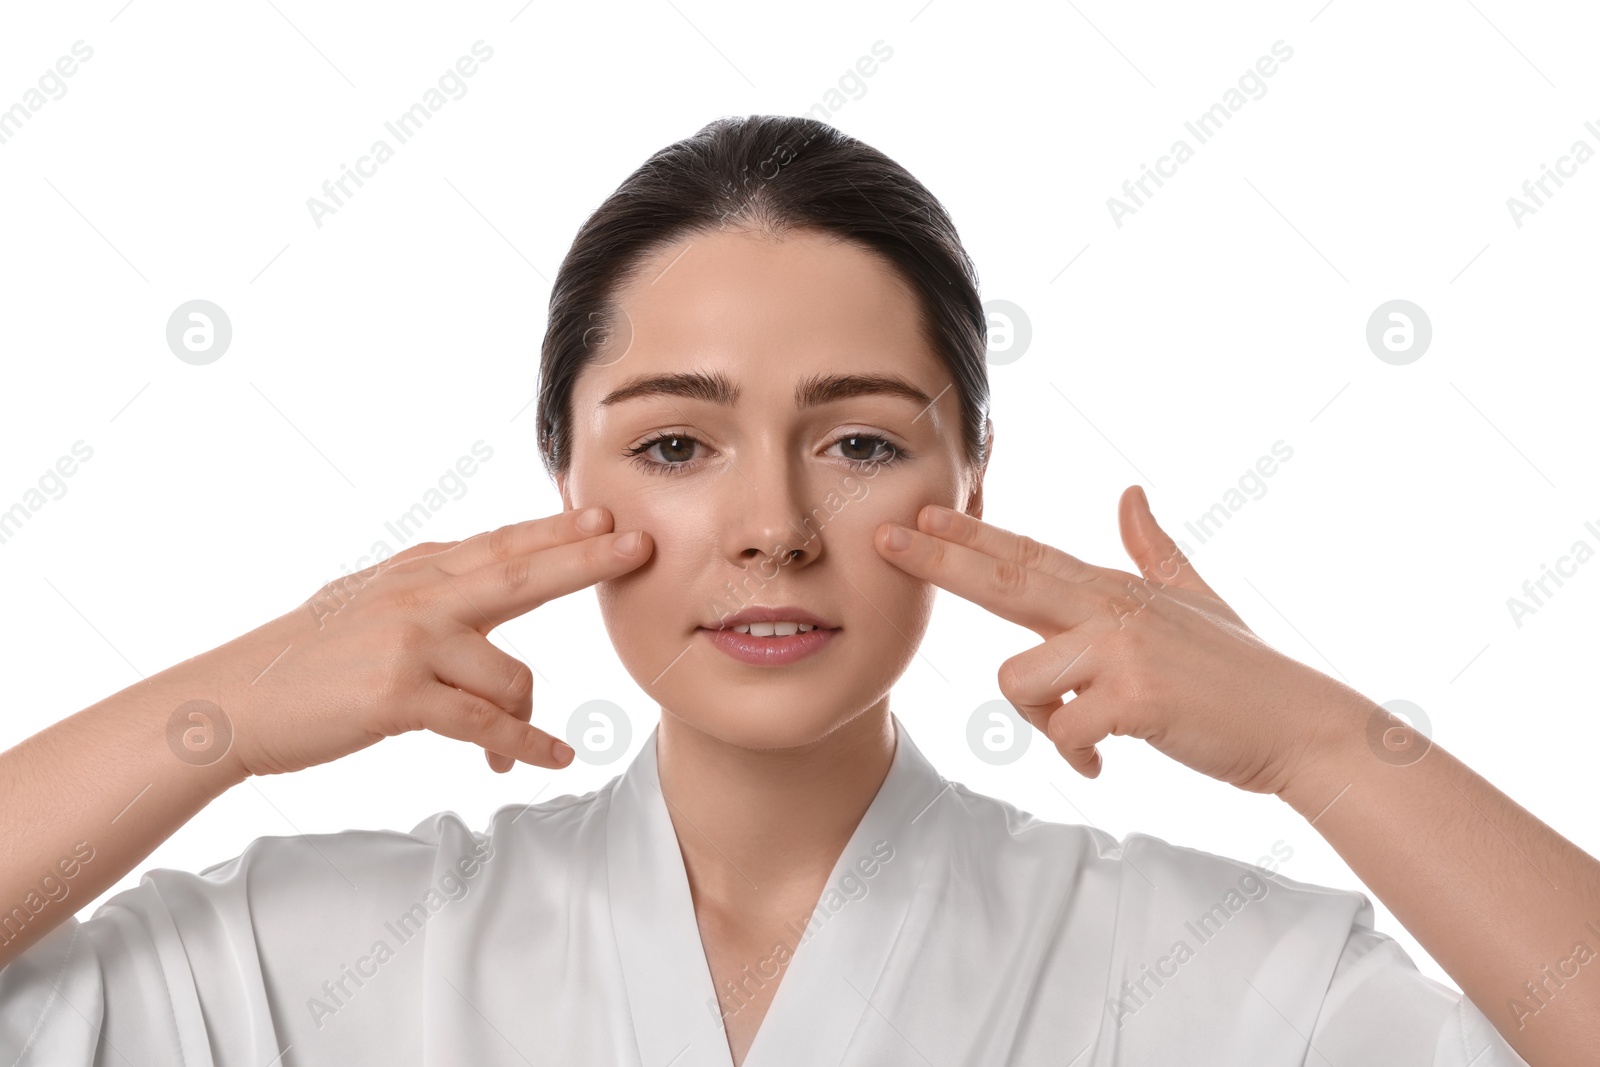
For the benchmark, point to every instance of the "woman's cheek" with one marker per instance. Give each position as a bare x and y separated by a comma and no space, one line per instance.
662,601
903,598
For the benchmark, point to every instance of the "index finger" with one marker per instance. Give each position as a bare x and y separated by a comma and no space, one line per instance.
1021,549
1043,602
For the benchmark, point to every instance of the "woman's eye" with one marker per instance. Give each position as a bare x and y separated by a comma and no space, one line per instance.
675,451
867,448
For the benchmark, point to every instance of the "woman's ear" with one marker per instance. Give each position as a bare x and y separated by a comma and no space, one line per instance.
561,487
975,497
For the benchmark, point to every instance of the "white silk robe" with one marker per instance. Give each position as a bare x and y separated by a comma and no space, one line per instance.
956,930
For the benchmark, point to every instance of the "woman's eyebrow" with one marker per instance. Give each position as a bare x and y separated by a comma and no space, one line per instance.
826,388
714,387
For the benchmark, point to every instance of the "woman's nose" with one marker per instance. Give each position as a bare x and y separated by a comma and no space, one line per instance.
769,515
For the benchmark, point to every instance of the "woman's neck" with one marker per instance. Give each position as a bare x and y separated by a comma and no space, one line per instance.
769,820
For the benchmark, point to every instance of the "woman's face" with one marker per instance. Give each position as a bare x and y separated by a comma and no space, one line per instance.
768,450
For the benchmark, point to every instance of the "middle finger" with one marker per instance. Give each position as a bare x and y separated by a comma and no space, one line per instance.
521,539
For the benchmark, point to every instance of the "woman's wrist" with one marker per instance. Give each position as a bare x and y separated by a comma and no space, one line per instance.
1341,753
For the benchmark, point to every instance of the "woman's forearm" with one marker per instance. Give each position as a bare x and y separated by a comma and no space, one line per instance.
1506,905
86,799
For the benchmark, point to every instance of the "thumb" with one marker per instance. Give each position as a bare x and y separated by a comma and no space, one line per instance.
1149,546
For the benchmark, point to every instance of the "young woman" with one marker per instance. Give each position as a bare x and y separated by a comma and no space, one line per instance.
763,399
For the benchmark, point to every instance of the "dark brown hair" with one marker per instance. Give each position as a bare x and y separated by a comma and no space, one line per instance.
770,173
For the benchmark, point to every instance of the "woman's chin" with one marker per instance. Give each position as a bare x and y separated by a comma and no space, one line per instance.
764,708
776,722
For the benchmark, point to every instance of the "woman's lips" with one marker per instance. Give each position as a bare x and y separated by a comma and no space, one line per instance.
769,651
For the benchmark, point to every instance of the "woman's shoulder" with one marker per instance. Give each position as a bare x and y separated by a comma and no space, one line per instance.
301,893
274,876
1147,871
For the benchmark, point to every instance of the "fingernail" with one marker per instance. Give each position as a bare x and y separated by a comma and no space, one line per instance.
563,753
938,519
629,543
898,538
591,520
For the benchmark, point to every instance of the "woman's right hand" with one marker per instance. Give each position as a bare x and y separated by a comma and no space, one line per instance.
403,645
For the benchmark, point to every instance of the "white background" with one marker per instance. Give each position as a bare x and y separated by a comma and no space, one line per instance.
1228,313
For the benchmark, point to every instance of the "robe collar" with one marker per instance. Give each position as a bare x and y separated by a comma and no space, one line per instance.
827,987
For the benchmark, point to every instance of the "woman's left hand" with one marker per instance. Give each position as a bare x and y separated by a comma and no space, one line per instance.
1157,656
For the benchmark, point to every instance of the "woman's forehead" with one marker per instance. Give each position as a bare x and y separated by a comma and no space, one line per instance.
765,312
